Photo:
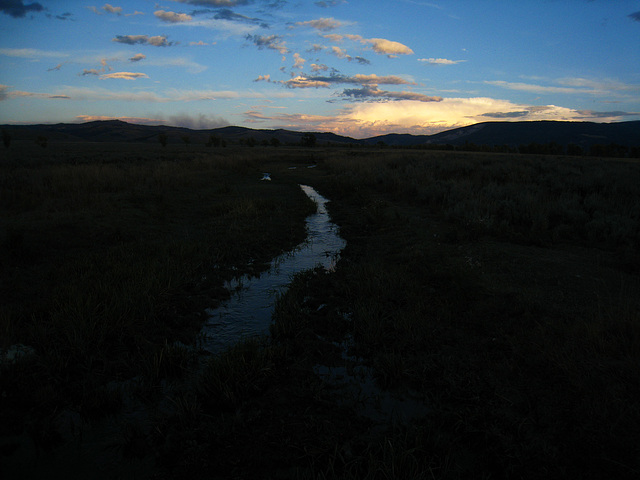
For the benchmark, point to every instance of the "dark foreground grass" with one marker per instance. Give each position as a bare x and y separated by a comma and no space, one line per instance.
501,291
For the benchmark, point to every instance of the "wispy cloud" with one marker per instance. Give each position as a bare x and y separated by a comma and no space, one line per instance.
31,53
573,86
635,16
227,14
6,93
111,9
372,92
440,61
156,41
272,42
303,81
172,95
137,57
322,24
216,3
329,3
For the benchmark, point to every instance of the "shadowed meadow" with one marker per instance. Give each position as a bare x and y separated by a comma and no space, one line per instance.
485,308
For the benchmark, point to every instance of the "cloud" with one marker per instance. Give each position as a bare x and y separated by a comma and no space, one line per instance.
62,16
31,53
372,92
440,61
156,41
123,75
110,9
273,42
195,122
172,17
329,3
526,87
339,52
305,82
57,67
263,78
315,67
381,46
298,61
516,114
635,16
168,96
17,8
302,81
216,3
388,47
91,71
137,57
368,119
322,24
7,94
226,14
360,60
617,114
199,43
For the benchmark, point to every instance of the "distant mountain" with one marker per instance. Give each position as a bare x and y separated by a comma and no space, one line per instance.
513,134
118,131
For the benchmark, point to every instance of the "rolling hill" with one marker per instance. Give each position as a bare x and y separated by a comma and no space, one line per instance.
513,134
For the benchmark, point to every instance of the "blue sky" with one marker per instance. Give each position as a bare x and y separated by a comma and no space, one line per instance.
357,68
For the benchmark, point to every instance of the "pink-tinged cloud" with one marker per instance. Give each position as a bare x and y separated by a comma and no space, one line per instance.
7,94
123,75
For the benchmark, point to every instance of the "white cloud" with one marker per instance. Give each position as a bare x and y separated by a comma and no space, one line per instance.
440,61
388,47
363,120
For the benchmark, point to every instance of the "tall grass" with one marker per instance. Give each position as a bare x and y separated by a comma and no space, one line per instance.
105,262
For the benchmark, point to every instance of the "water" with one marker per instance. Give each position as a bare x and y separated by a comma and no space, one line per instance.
248,312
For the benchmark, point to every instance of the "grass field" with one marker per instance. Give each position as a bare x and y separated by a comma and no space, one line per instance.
499,290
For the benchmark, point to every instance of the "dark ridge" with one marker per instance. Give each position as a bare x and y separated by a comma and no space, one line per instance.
509,134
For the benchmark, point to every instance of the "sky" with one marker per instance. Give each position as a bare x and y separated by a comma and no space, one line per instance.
355,68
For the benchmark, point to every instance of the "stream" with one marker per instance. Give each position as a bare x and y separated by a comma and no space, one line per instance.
248,312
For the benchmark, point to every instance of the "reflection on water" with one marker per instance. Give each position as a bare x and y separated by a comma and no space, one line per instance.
248,311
